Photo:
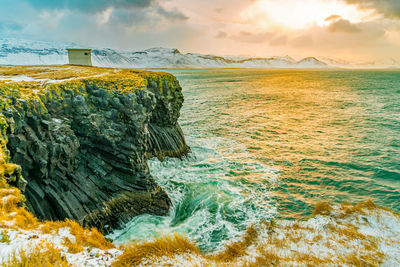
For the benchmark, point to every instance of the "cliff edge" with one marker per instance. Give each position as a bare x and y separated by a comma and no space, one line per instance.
79,139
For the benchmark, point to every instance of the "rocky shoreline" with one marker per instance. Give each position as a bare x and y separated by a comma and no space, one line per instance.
83,143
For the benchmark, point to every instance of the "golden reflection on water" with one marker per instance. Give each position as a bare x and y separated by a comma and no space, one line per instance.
317,127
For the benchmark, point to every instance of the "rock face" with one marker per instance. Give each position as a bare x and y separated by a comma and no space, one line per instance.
83,145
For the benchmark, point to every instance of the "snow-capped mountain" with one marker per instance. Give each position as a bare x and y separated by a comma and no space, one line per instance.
311,62
28,52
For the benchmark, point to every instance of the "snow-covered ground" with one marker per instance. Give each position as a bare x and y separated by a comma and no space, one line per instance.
347,235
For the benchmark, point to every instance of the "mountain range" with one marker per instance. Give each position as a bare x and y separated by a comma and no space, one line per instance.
28,52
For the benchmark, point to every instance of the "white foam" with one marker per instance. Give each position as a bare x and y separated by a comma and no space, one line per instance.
206,202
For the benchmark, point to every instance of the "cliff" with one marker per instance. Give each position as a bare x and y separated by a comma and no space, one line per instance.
79,139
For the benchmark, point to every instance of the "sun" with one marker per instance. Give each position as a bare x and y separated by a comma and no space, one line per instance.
297,14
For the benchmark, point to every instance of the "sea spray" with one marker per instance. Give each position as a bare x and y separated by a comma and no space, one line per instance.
215,197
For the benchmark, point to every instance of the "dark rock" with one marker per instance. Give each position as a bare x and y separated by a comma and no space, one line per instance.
83,151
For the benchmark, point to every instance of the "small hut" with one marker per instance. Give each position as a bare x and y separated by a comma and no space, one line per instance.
79,56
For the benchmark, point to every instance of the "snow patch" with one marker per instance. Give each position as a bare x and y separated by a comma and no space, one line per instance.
28,240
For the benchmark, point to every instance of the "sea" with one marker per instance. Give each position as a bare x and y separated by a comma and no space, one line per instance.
270,144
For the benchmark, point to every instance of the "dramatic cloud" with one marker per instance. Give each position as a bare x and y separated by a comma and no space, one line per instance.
333,17
221,34
342,25
368,29
89,5
173,14
390,8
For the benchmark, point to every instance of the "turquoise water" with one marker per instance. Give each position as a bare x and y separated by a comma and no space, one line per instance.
273,143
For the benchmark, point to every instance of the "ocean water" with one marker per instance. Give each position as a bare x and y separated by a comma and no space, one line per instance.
272,143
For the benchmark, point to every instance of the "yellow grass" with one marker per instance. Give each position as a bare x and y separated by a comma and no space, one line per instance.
45,255
322,208
4,237
111,79
13,215
265,258
54,72
83,237
163,246
237,249
73,247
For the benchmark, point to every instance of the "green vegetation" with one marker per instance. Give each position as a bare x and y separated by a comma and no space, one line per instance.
4,238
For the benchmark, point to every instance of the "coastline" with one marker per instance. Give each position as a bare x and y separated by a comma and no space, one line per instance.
359,223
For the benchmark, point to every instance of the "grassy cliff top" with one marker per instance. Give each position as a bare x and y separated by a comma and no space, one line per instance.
58,73
35,79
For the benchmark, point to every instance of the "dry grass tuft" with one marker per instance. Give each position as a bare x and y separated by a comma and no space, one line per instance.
83,237
73,247
237,249
10,210
322,208
45,255
363,260
4,237
168,246
368,204
348,209
265,258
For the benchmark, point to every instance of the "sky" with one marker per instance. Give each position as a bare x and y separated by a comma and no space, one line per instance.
351,30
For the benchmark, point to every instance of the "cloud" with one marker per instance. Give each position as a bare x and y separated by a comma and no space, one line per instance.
249,37
333,17
279,41
221,35
121,17
186,24
173,14
8,27
302,41
141,13
342,25
91,6
389,8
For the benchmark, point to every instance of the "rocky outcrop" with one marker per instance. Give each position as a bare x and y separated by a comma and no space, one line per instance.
83,144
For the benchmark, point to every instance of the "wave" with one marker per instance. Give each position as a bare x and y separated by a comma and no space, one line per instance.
215,198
